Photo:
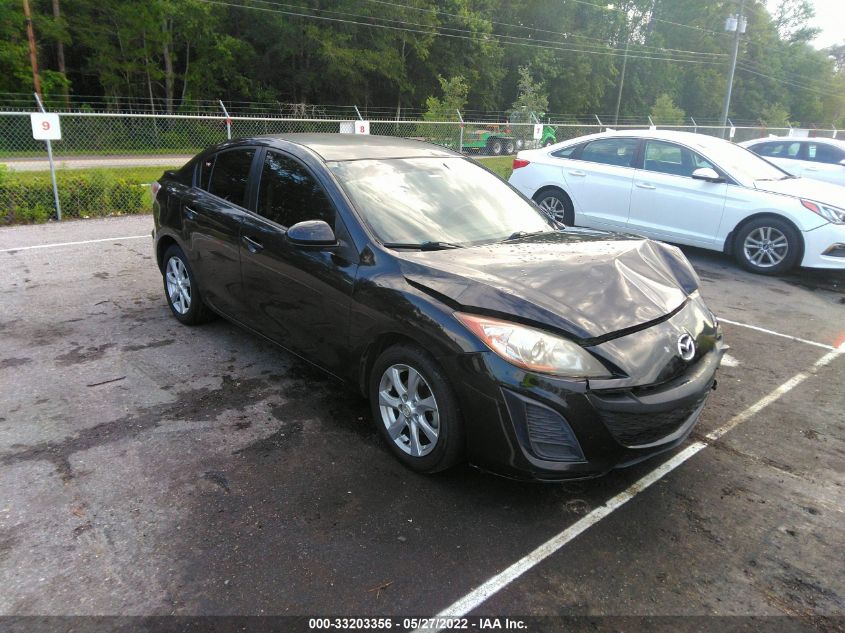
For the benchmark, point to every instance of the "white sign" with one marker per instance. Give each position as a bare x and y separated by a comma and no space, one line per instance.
45,127
538,131
362,127
732,132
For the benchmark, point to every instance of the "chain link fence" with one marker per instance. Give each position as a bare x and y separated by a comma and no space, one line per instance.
105,162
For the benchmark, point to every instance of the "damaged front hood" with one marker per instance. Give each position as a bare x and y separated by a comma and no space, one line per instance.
589,284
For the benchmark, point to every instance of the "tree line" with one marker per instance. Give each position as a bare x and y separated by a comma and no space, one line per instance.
415,56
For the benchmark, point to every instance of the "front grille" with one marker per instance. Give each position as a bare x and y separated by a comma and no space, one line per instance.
638,429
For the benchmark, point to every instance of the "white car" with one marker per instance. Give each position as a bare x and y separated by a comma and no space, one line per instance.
689,189
819,158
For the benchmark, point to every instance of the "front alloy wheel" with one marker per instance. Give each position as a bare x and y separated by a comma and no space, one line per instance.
768,246
409,410
415,409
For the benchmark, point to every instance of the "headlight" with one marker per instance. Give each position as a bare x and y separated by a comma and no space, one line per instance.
829,213
534,349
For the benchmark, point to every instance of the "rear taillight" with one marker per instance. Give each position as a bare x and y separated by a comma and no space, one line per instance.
520,162
154,188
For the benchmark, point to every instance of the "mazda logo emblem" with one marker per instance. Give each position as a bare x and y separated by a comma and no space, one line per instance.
686,347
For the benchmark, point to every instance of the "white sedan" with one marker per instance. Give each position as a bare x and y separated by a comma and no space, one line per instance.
689,189
818,158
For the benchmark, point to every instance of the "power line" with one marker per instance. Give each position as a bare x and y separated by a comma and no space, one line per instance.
603,45
790,83
483,39
607,8
528,28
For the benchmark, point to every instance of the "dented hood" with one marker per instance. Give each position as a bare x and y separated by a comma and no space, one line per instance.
588,284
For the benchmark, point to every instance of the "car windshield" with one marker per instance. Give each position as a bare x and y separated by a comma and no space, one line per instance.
425,201
742,163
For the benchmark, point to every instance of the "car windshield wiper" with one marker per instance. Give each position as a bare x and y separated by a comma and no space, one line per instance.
424,246
520,234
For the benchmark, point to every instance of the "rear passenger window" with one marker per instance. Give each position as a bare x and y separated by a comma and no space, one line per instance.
230,175
566,152
788,149
611,151
204,176
288,194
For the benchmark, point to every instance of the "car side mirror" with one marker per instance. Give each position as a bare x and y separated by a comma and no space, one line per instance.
312,233
705,173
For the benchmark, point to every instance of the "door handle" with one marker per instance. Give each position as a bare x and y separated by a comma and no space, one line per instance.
578,173
190,213
812,168
252,245
645,185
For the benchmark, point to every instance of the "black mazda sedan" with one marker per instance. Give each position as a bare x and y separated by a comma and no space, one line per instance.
478,328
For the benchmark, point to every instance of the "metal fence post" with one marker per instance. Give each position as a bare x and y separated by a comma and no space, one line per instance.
52,166
695,126
228,120
461,138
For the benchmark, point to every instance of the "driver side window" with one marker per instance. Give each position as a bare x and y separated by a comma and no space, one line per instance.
287,193
676,160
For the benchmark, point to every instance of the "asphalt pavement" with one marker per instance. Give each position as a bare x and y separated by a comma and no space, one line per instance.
148,468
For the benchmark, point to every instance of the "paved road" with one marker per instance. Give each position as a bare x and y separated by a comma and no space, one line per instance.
150,468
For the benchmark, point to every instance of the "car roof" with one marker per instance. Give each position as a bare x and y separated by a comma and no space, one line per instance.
702,141
816,139
341,147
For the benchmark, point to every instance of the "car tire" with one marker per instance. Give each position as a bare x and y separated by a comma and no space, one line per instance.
494,147
406,383
767,246
520,145
557,204
181,289
509,147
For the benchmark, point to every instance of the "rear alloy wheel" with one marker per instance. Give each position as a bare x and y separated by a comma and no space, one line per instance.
181,290
767,246
509,148
557,204
415,409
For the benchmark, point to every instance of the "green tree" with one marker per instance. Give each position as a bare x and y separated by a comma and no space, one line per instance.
775,115
445,108
531,98
665,112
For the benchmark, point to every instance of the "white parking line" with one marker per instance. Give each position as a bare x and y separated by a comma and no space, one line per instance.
479,595
105,239
773,333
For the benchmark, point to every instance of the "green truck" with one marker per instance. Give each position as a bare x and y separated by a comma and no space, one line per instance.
505,138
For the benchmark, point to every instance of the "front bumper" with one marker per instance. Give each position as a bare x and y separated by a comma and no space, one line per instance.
824,247
533,426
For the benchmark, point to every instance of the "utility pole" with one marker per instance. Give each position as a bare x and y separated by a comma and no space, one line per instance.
621,81
33,54
735,23
60,53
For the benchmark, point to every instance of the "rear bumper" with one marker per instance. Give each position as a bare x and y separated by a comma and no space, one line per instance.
531,426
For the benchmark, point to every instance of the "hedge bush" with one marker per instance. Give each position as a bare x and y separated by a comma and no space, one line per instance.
90,194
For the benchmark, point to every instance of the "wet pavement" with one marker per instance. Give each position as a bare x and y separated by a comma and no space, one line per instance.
150,468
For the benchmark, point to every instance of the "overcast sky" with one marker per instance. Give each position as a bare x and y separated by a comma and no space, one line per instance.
830,16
